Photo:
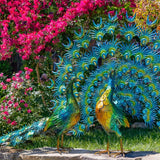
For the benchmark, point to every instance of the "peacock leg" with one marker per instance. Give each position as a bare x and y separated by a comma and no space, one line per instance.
121,146
106,151
62,140
64,148
58,145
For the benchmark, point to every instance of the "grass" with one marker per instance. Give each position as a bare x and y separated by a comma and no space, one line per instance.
133,140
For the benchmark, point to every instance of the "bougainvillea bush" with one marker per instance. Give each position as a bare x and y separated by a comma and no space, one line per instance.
33,26
20,102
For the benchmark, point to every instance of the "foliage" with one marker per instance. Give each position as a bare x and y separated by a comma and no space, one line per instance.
5,68
146,8
20,101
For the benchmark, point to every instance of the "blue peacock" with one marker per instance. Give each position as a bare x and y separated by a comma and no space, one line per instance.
127,82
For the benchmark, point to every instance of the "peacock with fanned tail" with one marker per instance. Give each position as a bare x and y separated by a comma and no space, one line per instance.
126,83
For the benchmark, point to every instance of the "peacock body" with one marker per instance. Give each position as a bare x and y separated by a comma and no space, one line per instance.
126,83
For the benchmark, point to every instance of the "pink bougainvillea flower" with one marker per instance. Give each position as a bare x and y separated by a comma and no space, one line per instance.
8,121
2,83
21,101
8,80
27,76
26,68
20,72
4,87
1,74
14,123
6,107
29,111
14,78
4,118
6,113
30,69
123,10
19,108
16,104
17,74
26,105
111,13
10,102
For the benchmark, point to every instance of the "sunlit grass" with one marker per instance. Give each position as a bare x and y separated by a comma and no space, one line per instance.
133,140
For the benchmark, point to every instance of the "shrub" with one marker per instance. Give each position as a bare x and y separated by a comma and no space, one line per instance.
20,101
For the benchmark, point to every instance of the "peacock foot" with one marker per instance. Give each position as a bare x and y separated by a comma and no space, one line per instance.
102,152
119,153
67,148
61,150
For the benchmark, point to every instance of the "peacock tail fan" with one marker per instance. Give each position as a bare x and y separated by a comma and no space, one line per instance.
136,64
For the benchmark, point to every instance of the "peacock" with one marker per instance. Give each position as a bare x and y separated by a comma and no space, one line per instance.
125,84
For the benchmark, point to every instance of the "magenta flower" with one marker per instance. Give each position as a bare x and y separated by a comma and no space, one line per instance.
16,104
6,113
26,68
27,76
1,74
30,69
14,78
29,111
26,105
4,87
111,13
10,102
4,118
8,79
8,121
14,123
21,101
